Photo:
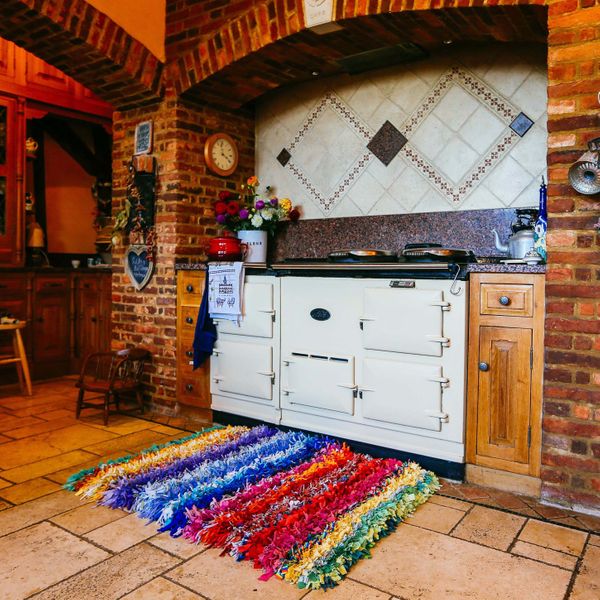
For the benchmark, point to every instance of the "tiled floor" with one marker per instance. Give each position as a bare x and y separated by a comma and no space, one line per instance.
54,546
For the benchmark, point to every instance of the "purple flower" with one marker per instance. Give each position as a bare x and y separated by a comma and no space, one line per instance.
274,202
259,204
244,214
221,219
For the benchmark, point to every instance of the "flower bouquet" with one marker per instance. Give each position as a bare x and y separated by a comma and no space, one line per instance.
251,211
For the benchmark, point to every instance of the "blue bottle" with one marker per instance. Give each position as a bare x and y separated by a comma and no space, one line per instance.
541,225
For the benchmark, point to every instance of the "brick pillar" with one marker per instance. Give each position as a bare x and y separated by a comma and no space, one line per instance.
184,220
571,426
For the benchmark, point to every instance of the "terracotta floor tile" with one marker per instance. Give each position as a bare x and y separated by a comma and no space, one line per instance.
222,578
64,474
436,517
473,492
40,556
594,540
587,582
592,523
147,437
4,505
30,430
553,536
122,534
46,445
29,490
87,517
3,439
168,430
57,414
348,590
114,577
69,460
122,426
34,410
4,483
415,563
489,527
569,522
37,510
161,589
12,422
177,546
450,502
551,557
552,512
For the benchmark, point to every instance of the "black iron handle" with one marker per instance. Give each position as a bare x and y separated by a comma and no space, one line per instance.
53,285
483,366
94,320
189,320
189,387
189,287
189,353
504,300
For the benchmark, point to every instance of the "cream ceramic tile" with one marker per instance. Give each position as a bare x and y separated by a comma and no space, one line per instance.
37,510
455,107
532,95
551,557
431,137
417,563
482,129
122,534
436,517
509,178
387,111
409,188
365,193
587,583
85,518
348,590
29,490
180,547
507,74
481,198
40,556
489,527
386,176
526,151
553,536
386,206
409,90
456,160
366,99
47,466
114,577
161,589
222,578
450,502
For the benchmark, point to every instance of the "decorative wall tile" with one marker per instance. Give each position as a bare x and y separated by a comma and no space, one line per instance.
457,149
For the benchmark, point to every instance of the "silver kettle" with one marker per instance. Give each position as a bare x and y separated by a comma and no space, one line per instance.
519,243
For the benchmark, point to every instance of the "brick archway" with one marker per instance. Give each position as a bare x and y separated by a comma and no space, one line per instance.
76,38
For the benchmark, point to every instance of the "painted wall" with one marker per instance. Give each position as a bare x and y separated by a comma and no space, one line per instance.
69,203
325,143
145,21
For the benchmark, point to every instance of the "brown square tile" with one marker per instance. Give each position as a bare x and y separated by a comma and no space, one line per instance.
146,438
489,527
450,502
551,557
348,590
436,517
29,490
161,589
69,460
594,540
553,536
59,413
587,582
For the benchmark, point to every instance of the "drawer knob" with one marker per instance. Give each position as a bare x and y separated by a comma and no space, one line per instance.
504,300
189,353
189,387
483,366
189,287
189,320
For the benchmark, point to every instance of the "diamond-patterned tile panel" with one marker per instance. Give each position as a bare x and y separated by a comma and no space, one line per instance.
283,157
386,143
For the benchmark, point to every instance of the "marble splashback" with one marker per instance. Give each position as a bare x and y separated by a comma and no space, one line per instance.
462,130
315,238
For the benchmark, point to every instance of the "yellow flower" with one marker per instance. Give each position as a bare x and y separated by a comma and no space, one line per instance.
286,204
252,181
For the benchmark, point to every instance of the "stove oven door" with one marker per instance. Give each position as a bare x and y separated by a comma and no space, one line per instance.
403,320
403,393
318,381
243,369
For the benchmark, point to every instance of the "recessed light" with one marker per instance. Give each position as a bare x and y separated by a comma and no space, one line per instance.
448,42
315,73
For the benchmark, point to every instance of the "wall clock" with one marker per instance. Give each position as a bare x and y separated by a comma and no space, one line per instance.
221,154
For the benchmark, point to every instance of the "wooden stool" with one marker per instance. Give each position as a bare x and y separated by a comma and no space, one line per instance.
19,357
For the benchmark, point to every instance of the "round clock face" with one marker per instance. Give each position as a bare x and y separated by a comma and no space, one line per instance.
221,154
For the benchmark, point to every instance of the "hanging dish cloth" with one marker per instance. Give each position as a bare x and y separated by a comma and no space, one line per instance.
205,333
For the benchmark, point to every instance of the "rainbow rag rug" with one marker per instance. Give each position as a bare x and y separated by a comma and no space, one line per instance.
301,507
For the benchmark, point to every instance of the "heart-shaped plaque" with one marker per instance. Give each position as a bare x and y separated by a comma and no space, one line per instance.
138,266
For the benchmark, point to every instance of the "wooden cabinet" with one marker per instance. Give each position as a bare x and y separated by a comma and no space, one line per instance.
505,372
193,387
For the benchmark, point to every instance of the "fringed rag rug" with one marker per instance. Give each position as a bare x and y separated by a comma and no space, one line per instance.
301,507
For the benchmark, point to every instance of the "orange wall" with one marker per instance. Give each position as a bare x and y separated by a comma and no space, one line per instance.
69,203
142,19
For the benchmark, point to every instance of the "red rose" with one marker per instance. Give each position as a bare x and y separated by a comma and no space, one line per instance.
224,195
233,208
294,214
220,208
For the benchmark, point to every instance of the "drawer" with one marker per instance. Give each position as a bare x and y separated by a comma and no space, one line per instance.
187,324
192,390
51,284
506,299
13,286
185,355
90,284
191,286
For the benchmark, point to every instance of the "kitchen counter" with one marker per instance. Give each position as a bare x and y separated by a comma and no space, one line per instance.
56,270
505,268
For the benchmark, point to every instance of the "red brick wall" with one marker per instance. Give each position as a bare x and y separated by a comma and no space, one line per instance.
185,193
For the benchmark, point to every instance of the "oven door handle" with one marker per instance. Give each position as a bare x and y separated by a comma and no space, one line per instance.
286,392
443,381
444,341
362,320
445,306
435,414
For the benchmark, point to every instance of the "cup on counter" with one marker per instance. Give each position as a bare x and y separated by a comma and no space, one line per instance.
90,262
75,263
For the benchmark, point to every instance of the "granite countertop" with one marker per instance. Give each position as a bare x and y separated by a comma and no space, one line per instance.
54,270
505,268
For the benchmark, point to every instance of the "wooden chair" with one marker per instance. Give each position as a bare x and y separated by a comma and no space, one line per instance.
18,358
112,376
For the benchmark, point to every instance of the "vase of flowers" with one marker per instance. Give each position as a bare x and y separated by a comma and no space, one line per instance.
252,216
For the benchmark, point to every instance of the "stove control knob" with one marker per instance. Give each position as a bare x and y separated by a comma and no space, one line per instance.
504,300
483,366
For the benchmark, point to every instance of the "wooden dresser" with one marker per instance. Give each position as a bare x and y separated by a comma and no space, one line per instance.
505,372
193,387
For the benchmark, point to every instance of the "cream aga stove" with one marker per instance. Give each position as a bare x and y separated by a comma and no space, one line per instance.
372,354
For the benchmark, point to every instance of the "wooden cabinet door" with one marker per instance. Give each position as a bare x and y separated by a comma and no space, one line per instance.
51,329
7,60
88,322
503,408
40,74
